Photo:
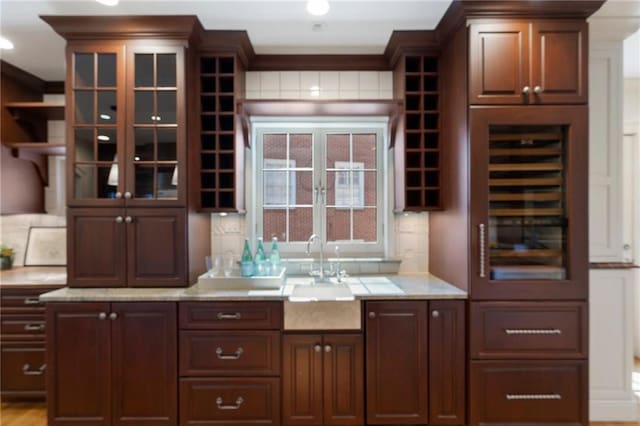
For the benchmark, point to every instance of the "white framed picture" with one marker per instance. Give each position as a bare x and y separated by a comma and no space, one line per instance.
46,246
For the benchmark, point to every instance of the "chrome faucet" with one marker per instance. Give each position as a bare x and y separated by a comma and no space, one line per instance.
311,239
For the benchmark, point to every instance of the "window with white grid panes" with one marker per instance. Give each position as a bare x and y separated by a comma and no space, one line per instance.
320,180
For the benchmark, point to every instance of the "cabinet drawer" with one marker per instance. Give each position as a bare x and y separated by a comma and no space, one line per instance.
229,353
21,300
230,401
510,330
22,326
528,392
231,315
22,370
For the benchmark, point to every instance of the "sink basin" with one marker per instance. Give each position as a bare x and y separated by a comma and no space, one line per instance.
318,292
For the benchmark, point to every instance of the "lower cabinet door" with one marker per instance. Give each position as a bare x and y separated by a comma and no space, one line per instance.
302,379
22,370
447,362
78,364
528,393
397,359
343,382
145,367
230,401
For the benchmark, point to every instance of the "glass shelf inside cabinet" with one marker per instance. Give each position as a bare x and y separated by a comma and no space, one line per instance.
527,203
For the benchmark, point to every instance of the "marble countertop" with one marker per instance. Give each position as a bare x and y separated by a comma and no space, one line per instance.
387,287
34,276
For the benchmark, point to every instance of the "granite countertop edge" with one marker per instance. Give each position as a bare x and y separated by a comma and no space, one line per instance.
418,287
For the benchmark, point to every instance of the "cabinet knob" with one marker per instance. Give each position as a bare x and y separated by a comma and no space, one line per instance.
538,90
526,90
128,219
372,315
102,316
119,219
317,348
118,195
113,316
327,348
435,314
127,195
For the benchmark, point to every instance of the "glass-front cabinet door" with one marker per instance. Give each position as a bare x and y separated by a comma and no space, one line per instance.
95,120
156,126
529,202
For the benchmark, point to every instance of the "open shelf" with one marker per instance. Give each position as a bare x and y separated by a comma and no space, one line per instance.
44,110
45,148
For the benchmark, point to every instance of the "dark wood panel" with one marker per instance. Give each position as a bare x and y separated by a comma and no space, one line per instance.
78,364
447,362
229,353
156,247
145,366
319,63
510,330
96,252
528,392
302,399
22,370
231,315
343,383
22,300
230,402
498,63
396,351
559,61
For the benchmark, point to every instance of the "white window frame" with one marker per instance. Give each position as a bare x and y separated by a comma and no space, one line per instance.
319,127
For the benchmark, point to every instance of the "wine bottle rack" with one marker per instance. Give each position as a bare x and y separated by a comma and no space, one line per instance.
422,128
218,78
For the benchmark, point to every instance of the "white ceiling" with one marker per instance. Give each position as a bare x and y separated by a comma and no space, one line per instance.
352,26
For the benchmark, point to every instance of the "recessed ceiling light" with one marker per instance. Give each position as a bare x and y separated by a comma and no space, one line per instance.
5,44
108,2
103,138
318,7
105,116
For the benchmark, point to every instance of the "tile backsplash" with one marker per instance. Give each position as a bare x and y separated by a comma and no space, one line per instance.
14,231
319,85
409,239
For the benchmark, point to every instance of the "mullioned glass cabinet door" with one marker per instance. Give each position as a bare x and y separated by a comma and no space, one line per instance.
95,125
156,154
529,212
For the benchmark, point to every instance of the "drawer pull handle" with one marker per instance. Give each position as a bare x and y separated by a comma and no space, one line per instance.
31,301
532,397
517,331
27,371
236,354
222,406
33,327
223,316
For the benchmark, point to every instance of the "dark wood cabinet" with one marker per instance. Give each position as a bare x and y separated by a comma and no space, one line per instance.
230,363
397,361
127,130
22,342
447,359
528,203
112,363
528,62
418,153
136,247
323,380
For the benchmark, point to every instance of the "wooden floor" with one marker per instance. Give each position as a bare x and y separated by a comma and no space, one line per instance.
15,414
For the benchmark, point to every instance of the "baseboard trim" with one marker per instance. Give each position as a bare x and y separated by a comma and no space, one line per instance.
613,411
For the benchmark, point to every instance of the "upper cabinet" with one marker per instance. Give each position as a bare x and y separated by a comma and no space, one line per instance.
528,62
126,123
